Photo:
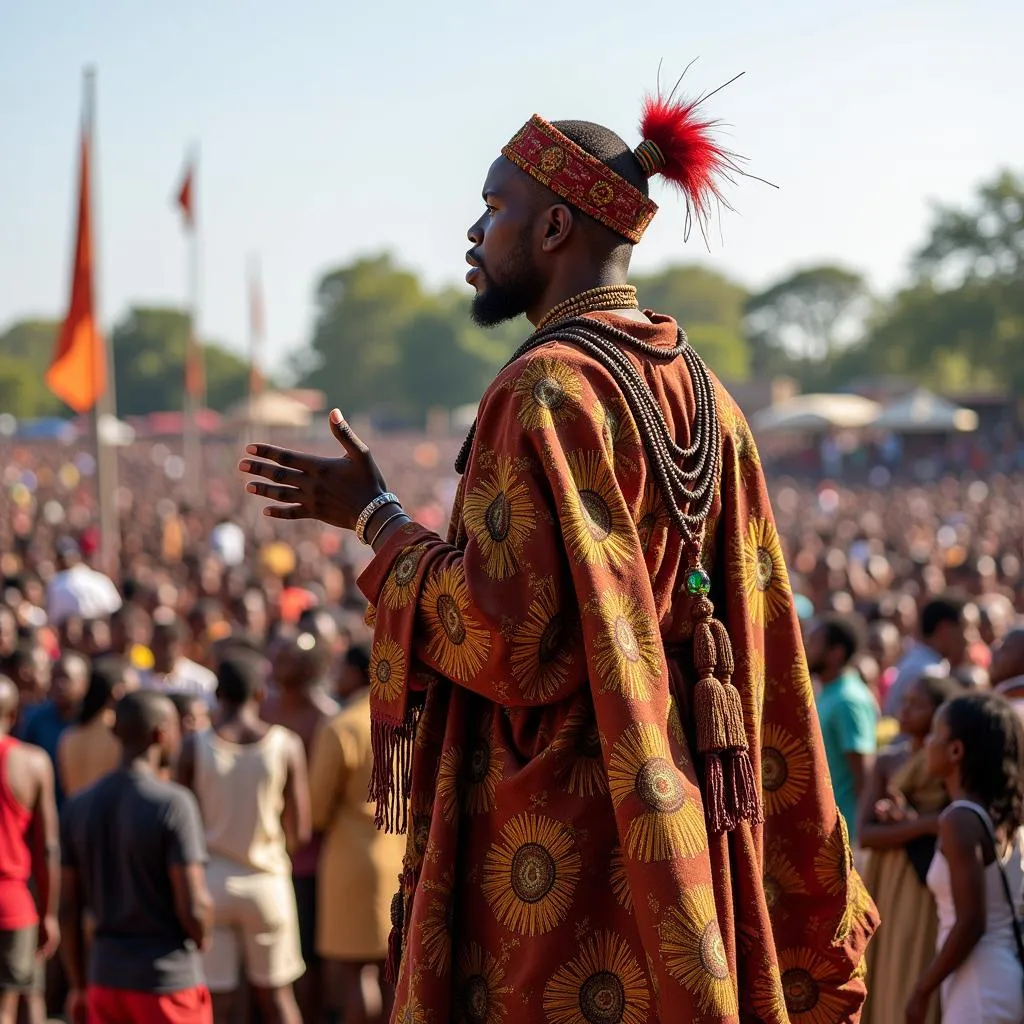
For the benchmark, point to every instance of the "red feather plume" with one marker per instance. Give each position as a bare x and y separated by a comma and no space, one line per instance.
694,162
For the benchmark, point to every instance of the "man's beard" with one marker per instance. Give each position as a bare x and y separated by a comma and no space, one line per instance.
520,287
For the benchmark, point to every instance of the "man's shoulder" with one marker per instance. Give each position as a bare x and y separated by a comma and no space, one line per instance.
561,362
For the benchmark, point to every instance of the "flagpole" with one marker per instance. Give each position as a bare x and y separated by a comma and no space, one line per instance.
104,411
191,448
255,339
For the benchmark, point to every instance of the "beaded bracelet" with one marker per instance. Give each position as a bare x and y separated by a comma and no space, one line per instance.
387,498
400,514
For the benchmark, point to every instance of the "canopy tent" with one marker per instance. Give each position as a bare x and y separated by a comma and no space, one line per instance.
921,412
271,409
816,414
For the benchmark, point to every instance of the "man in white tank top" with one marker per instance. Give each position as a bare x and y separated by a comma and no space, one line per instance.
250,780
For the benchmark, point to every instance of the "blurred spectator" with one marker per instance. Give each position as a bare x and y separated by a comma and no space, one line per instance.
89,750
78,591
898,823
300,703
193,713
30,669
29,853
250,779
846,709
172,672
133,853
359,865
946,634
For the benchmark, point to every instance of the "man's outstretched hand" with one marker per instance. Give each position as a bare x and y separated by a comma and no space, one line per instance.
333,491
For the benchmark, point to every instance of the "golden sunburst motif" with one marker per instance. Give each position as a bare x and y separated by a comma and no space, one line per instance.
437,927
595,519
616,426
550,392
603,984
694,953
785,769
672,822
746,446
498,512
628,654
542,647
809,988
676,733
458,643
387,669
652,517
764,572
801,680
578,747
411,1012
400,586
855,914
484,771
370,616
767,998
781,878
448,774
860,972
619,882
833,863
752,692
480,990
530,874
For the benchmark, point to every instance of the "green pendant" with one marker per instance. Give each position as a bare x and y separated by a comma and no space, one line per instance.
698,582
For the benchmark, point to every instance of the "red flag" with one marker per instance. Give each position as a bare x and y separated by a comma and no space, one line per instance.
256,380
78,371
184,197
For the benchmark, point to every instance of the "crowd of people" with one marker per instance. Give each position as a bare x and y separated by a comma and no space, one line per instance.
184,739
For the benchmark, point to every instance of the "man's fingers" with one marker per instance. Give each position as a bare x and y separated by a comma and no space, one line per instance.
270,471
287,512
282,456
274,492
345,436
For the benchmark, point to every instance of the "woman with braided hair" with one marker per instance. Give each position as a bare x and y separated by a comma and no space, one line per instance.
590,710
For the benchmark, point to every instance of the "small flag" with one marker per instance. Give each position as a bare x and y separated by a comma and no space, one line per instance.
78,371
195,371
185,198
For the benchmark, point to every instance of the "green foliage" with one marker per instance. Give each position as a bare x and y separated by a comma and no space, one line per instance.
26,350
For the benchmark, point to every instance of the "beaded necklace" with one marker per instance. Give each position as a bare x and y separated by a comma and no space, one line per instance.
594,300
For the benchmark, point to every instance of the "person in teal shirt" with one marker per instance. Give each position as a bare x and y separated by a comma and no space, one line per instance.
847,710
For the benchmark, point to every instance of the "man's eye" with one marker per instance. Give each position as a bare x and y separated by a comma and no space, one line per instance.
491,211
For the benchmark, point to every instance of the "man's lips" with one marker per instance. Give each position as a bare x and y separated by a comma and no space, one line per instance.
475,270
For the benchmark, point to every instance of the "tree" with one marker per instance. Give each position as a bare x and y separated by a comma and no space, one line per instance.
807,317
26,349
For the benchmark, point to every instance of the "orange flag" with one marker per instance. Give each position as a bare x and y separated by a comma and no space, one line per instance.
184,197
78,371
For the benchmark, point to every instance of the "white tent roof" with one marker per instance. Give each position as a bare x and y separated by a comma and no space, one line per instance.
922,412
812,414
271,409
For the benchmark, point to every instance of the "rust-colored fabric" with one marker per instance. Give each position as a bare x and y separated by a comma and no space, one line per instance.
558,866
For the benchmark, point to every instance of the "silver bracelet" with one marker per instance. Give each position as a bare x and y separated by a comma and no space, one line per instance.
387,498
400,514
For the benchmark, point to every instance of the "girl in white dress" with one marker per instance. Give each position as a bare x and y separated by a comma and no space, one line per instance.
977,748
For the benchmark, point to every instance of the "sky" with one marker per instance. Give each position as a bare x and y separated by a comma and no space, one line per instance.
332,130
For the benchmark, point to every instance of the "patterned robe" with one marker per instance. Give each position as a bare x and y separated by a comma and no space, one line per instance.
558,865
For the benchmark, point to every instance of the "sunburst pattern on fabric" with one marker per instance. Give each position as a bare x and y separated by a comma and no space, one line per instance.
480,991
484,772
694,953
781,878
578,746
499,513
616,425
387,669
619,882
549,392
672,822
603,984
530,874
400,586
752,692
801,680
808,987
627,651
833,863
767,998
437,927
595,520
855,913
411,1012
541,652
764,572
448,774
785,769
458,643
652,517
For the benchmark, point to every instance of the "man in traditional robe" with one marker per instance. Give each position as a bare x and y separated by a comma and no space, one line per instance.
615,790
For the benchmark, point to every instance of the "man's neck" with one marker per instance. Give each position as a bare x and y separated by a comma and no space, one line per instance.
294,700
147,761
831,676
570,285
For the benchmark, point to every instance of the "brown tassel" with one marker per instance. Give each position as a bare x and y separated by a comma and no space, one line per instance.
744,794
704,659
736,734
391,774
394,958
715,811
710,710
723,646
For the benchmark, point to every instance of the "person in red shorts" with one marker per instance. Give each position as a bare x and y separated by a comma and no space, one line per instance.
133,853
29,933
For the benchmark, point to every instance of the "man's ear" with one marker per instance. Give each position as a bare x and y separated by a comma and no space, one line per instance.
558,223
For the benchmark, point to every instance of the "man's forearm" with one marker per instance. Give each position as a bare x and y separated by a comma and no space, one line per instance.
49,883
72,947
